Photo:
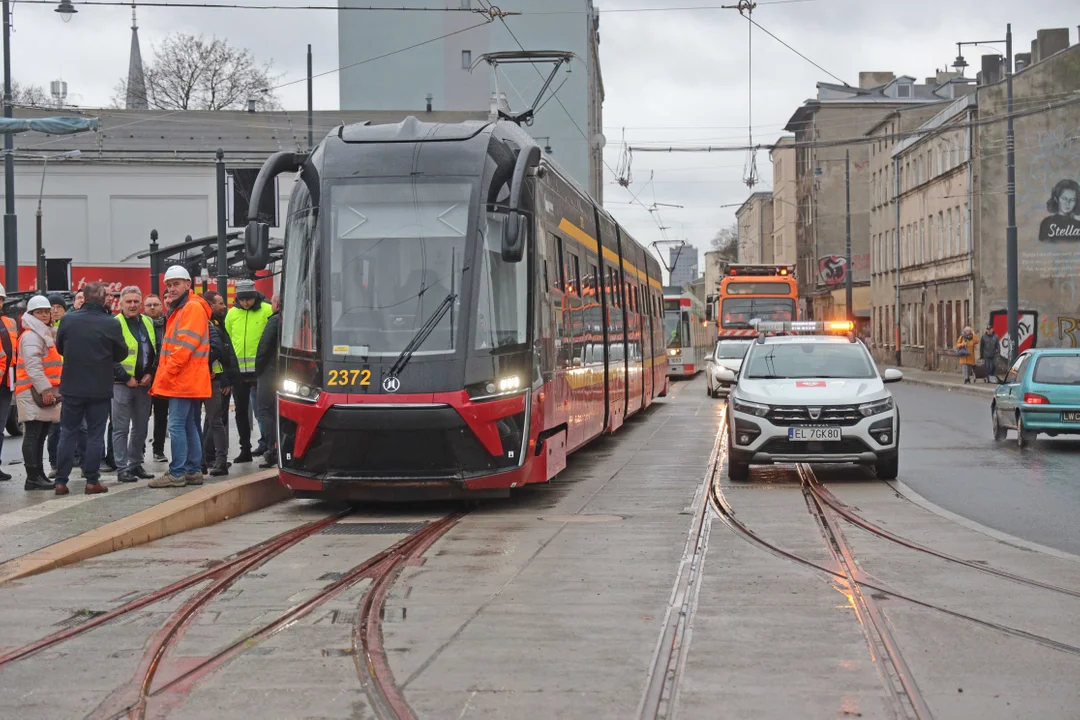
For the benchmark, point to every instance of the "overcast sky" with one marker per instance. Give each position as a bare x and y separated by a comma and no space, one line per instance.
671,76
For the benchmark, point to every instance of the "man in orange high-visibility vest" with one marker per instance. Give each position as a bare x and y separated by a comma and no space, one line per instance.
183,376
9,345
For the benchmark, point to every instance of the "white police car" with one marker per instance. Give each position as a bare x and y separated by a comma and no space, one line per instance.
811,397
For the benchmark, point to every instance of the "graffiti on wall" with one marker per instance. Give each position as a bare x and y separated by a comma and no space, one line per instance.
1068,332
1027,326
833,269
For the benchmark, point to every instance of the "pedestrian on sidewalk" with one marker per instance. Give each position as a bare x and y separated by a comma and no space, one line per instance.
245,323
92,343
133,377
965,350
989,349
183,376
155,310
9,345
266,368
37,375
223,373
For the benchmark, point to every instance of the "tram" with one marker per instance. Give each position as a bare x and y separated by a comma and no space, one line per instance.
689,335
458,315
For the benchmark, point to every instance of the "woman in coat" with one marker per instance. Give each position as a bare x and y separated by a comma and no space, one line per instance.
39,369
965,349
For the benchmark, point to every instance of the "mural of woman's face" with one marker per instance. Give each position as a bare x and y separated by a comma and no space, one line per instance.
1067,202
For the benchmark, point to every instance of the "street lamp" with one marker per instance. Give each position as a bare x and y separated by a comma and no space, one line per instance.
39,261
11,225
1011,261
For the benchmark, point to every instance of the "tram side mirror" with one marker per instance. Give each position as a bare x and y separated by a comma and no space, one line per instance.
513,239
257,245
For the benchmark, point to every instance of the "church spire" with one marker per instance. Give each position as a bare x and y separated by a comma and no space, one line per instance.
136,81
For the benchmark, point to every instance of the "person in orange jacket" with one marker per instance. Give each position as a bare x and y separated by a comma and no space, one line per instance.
183,376
9,346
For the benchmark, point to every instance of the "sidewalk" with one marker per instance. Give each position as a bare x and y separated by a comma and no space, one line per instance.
32,520
948,381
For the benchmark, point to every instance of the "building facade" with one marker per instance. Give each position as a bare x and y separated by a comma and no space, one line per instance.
784,201
934,258
755,221
1047,195
445,72
824,176
683,262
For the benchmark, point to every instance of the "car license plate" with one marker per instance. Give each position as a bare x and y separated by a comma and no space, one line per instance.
805,434
1070,417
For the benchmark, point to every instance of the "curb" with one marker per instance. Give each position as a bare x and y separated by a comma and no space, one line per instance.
968,390
196,509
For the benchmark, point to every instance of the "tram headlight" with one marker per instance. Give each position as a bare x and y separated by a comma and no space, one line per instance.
674,351
299,391
509,383
506,386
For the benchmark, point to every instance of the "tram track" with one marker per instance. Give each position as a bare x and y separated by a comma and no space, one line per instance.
846,575
140,697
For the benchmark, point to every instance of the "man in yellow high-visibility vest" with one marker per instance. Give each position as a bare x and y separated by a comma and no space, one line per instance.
132,378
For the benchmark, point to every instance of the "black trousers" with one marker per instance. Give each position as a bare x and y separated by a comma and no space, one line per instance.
242,395
35,433
215,433
161,424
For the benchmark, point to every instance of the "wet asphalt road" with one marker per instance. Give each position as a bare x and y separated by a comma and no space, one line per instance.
949,456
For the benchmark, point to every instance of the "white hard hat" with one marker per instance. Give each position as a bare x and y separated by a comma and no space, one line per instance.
3,292
177,272
38,302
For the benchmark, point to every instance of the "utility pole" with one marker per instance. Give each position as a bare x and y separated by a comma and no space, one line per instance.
222,239
1011,260
310,110
847,252
11,224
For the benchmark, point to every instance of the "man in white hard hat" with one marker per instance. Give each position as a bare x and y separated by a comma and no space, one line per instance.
183,376
9,345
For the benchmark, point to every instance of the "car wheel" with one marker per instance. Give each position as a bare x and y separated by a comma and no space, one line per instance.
1024,438
739,472
999,431
888,469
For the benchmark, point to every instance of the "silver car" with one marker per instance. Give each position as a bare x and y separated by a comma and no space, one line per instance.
728,354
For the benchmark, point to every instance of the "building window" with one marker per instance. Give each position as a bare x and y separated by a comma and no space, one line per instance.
967,312
922,241
942,240
967,229
466,59
903,90
949,231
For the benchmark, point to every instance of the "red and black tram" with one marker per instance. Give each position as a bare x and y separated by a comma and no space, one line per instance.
458,316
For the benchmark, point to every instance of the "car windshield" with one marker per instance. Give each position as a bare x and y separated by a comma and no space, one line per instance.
1058,370
398,251
731,350
809,360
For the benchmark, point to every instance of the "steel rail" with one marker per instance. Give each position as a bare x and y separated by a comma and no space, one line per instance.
286,538
825,496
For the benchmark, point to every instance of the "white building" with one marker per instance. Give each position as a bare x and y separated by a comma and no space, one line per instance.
442,73
146,171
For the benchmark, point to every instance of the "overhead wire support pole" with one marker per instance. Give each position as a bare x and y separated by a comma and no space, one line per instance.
310,103
11,221
222,231
847,253
1011,259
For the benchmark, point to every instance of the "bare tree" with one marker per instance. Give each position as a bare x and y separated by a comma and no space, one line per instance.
29,95
726,241
193,73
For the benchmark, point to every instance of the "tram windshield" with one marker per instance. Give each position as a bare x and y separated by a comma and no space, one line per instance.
397,252
677,328
502,306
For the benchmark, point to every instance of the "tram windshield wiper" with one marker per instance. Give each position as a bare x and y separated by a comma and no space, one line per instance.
422,334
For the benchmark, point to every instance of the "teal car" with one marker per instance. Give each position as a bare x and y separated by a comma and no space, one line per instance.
1040,394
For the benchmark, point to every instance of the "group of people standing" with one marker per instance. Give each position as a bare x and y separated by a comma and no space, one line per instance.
989,349
74,374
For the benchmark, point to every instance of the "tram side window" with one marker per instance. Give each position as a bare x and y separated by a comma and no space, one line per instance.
560,280
547,282
614,285
298,326
577,275
593,278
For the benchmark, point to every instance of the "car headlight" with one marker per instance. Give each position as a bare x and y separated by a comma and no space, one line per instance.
750,408
299,391
877,407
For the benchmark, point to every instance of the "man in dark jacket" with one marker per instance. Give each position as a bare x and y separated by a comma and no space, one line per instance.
266,369
155,310
224,371
91,341
989,349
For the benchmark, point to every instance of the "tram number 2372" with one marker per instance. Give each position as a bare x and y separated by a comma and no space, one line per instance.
348,378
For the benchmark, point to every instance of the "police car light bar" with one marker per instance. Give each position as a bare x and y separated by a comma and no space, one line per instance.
811,327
